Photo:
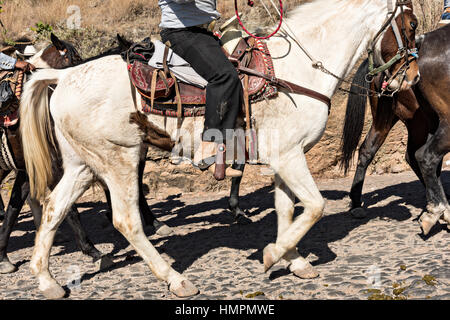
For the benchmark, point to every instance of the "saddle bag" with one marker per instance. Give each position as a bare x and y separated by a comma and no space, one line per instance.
151,82
6,92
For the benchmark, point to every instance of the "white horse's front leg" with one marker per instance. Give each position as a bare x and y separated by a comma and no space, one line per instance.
294,172
75,181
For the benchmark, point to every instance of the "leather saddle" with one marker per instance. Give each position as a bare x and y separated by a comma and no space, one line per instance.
160,95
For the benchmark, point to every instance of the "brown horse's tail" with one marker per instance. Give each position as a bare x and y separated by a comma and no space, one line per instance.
354,116
35,130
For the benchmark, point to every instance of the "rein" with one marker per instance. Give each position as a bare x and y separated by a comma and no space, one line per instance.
402,53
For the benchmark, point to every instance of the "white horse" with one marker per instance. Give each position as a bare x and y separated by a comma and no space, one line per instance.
91,108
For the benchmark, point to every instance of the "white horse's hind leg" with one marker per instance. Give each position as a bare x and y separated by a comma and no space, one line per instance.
75,181
285,207
127,220
294,172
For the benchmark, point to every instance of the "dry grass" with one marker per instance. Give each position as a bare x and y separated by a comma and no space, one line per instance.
429,13
102,19
21,14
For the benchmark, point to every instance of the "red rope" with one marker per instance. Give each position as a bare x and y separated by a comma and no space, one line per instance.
251,3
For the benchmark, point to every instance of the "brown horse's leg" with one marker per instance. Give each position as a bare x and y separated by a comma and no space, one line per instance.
429,157
18,196
420,128
233,202
161,228
3,174
383,121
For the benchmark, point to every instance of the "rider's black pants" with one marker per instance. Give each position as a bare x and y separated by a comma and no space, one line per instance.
224,91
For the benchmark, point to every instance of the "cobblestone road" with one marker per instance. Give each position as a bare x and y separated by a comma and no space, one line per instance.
381,256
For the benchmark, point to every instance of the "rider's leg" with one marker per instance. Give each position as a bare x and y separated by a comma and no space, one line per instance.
224,90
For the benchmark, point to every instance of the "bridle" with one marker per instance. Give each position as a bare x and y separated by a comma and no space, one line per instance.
403,51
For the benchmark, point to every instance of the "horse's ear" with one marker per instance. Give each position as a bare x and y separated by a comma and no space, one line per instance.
57,43
123,42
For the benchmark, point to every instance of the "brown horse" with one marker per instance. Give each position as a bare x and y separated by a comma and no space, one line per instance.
435,88
420,111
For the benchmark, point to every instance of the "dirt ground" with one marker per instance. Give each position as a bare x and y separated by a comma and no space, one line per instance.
380,257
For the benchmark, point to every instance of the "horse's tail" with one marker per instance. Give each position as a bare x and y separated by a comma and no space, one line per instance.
354,116
36,131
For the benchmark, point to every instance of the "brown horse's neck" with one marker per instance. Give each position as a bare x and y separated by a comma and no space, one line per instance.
53,58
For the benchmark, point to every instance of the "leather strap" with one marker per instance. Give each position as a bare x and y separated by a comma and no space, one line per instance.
164,79
153,88
291,87
219,173
179,108
166,54
247,113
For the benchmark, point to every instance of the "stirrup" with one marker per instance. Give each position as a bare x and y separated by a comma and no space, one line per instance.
229,171
204,164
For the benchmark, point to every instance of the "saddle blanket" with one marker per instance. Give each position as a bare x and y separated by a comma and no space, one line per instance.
179,67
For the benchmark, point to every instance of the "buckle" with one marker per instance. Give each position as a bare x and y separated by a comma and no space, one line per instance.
208,26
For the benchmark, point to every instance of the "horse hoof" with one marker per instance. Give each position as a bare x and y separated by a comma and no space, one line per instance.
269,256
427,222
54,292
307,272
184,289
242,219
164,230
7,267
240,216
105,262
358,213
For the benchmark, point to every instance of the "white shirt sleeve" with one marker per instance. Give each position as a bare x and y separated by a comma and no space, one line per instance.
7,62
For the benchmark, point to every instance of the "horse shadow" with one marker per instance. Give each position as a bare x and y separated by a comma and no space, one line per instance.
182,213
186,249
